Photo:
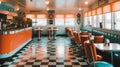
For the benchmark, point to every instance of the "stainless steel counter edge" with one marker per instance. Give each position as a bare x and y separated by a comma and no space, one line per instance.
14,31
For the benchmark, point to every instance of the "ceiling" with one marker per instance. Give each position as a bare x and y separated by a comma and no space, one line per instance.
39,6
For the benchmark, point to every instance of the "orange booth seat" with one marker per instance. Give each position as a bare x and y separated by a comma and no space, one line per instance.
11,43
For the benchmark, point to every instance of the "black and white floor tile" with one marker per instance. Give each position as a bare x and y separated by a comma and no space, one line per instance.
47,53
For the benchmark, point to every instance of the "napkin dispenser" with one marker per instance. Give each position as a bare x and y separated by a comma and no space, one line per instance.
107,42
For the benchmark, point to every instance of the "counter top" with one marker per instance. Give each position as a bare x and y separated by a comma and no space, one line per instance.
13,31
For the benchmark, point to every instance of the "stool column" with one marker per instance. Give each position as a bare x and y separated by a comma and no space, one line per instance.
54,32
39,32
49,33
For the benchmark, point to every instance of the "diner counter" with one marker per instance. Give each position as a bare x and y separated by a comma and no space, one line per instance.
13,31
13,40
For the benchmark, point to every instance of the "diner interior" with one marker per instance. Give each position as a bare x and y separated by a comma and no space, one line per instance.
59,33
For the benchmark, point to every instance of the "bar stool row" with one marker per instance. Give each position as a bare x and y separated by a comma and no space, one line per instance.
51,32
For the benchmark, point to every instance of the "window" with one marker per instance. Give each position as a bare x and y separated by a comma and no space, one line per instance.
69,22
99,17
85,21
99,20
41,22
90,20
33,22
116,10
94,21
85,18
107,21
117,20
59,20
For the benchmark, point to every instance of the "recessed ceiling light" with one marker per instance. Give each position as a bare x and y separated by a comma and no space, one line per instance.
48,8
17,8
0,2
47,2
86,2
80,9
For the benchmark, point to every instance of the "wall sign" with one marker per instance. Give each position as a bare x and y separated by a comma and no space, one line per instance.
51,16
78,18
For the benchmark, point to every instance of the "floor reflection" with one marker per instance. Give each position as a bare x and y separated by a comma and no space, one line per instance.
45,53
60,51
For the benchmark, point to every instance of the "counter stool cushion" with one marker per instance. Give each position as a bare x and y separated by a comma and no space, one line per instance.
98,39
101,64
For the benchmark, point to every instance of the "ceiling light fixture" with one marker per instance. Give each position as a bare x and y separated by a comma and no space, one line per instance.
0,1
17,8
47,2
48,8
86,2
80,9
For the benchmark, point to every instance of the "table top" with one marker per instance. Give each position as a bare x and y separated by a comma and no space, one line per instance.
52,29
84,35
76,31
38,29
111,47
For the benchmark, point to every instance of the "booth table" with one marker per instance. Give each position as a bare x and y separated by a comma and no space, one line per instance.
112,47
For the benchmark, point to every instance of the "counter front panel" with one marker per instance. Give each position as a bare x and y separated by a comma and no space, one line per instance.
11,42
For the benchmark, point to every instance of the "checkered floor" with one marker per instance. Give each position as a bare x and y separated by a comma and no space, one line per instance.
47,53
